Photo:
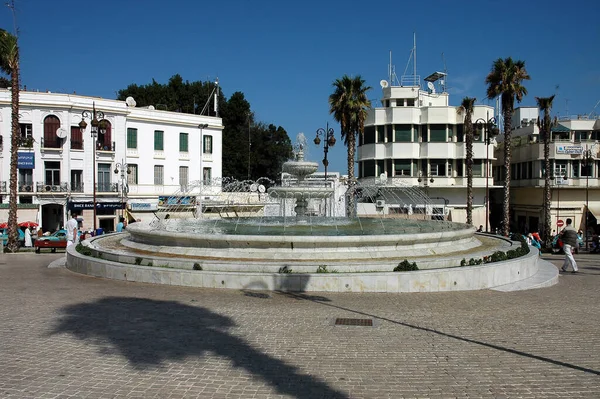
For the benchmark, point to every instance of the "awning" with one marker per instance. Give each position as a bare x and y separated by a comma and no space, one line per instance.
458,215
594,209
23,215
139,216
560,129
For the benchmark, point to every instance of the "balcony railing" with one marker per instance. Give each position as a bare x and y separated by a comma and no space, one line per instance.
42,187
26,187
55,143
77,188
100,146
107,187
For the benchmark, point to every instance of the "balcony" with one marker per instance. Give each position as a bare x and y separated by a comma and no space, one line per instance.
55,144
77,188
26,187
107,147
49,188
107,187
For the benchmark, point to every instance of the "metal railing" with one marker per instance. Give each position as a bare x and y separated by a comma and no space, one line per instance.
107,187
105,146
43,187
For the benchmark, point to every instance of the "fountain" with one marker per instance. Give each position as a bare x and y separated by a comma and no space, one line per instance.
260,251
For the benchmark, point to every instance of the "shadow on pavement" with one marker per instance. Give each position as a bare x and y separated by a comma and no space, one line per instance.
149,332
463,339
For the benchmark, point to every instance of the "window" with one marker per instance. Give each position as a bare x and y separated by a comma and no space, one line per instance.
560,168
438,167
477,168
52,173
131,138
402,167
104,140
51,125
103,180
207,147
26,180
183,178
403,133
26,138
159,172
76,138
369,135
380,134
400,102
158,141
586,169
460,134
369,168
437,133
207,176
183,142
410,102
132,177
77,181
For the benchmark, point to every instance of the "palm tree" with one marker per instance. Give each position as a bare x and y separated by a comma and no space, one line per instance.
9,64
348,104
505,80
545,105
467,107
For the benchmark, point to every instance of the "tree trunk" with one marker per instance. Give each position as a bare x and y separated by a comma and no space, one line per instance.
507,110
469,145
13,236
351,195
547,192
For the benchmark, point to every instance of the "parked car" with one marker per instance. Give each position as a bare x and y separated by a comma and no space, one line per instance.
4,236
56,240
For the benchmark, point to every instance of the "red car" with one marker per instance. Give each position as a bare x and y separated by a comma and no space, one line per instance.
53,241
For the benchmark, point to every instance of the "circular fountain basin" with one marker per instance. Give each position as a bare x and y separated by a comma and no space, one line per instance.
310,241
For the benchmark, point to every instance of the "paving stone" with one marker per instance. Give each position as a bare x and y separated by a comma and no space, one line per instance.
64,335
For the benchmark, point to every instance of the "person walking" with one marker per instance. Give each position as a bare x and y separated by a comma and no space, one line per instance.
72,227
569,238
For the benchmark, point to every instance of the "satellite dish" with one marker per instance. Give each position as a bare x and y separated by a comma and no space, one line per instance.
261,189
431,86
61,132
384,83
253,187
130,102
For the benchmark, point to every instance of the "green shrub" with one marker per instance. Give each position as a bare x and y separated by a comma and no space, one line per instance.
463,262
138,261
474,262
286,269
84,250
498,256
197,266
322,269
149,263
406,266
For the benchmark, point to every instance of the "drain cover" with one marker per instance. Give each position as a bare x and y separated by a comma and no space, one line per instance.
354,322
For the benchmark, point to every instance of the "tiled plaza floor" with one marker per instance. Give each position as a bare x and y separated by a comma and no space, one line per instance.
64,335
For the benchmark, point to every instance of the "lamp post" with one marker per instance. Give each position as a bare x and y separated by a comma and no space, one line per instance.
423,177
201,126
560,179
490,130
97,123
121,167
328,141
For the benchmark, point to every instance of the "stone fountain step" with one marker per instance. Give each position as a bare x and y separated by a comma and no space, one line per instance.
546,276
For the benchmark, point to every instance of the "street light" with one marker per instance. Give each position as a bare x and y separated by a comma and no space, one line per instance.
201,126
97,126
122,167
490,130
560,179
328,141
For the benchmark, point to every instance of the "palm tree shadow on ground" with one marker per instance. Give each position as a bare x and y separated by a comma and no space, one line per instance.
149,332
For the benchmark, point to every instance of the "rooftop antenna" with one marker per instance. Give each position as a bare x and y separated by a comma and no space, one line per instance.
414,79
392,77
443,82
594,109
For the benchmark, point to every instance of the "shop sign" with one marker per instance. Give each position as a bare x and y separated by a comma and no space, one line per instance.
90,205
143,206
569,149
168,201
26,160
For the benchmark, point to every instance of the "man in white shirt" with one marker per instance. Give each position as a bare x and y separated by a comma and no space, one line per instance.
72,227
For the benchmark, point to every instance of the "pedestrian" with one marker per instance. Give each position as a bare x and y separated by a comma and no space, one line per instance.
480,229
72,228
569,238
120,225
28,242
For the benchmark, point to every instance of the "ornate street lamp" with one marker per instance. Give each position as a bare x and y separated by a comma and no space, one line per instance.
121,167
490,130
98,126
328,141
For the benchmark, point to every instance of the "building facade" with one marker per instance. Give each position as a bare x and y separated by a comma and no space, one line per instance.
416,139
574,169
140,161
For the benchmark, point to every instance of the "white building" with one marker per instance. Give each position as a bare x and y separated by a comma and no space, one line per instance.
575,184
416,138
144,159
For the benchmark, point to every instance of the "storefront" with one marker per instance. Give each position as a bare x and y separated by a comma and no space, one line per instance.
107,214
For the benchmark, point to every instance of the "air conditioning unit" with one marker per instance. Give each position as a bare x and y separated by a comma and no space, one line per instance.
48,188
54,188
27,188
380,203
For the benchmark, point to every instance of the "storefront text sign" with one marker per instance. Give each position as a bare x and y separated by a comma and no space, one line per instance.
569,149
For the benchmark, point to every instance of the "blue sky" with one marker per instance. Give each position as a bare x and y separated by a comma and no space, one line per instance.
284,56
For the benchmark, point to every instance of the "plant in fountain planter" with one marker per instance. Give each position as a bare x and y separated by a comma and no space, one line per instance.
406,266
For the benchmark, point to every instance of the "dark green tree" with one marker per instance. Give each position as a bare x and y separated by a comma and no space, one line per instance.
467,107
545,126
